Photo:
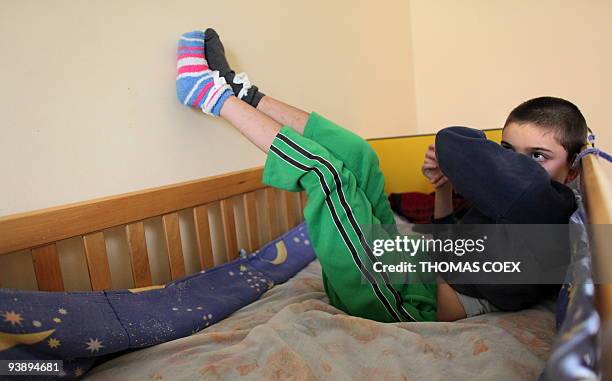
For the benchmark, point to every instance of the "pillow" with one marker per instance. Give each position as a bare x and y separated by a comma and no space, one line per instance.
281,259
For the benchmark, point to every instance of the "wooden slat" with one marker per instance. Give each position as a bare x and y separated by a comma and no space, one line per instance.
137,244
229,229
273,228
47,268
97,261
250,214
202,227
302,204
290,216
26,230
172,235
596,187
303,199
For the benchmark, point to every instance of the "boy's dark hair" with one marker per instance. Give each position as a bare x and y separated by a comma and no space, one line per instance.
562,116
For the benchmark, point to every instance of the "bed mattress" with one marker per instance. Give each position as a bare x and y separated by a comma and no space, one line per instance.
293,333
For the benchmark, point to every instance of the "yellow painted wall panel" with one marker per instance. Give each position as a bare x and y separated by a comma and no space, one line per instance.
401,159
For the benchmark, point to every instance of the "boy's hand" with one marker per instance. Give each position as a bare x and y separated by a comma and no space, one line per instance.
431,170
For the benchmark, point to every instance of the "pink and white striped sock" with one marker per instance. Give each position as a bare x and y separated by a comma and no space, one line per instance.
197,85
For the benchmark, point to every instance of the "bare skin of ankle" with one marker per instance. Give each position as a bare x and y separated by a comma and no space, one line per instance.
261,125
256,126
283,113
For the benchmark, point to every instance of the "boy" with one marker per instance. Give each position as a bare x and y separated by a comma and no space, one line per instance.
344,185
506,187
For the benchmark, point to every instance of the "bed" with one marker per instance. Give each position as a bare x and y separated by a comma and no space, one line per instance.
289,330
293,333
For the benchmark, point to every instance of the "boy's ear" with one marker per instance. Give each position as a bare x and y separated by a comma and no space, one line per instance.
571,175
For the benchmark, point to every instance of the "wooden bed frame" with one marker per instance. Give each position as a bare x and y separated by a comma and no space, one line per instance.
596,189
39,231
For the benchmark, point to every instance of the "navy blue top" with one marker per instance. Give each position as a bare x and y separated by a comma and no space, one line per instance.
503,187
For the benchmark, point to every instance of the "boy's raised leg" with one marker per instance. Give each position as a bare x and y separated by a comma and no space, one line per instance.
337,208
284,114
256,126
337,213
356,153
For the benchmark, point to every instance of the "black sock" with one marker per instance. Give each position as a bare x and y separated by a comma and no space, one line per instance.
215,55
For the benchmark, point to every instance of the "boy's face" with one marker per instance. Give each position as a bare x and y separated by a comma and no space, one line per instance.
541,145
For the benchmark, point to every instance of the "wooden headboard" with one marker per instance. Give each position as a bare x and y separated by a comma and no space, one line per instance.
39,231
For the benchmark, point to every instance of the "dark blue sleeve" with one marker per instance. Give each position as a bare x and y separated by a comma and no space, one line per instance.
504,185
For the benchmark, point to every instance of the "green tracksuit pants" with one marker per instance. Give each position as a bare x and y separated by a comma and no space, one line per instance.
345,194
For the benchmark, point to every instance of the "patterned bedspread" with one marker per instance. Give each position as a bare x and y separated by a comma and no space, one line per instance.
293,333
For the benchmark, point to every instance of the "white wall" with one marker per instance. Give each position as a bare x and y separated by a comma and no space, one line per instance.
88,104
475,60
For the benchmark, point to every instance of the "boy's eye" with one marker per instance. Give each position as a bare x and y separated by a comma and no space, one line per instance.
507,146
538,156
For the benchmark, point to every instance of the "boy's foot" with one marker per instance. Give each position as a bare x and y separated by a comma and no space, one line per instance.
215,54
196,84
